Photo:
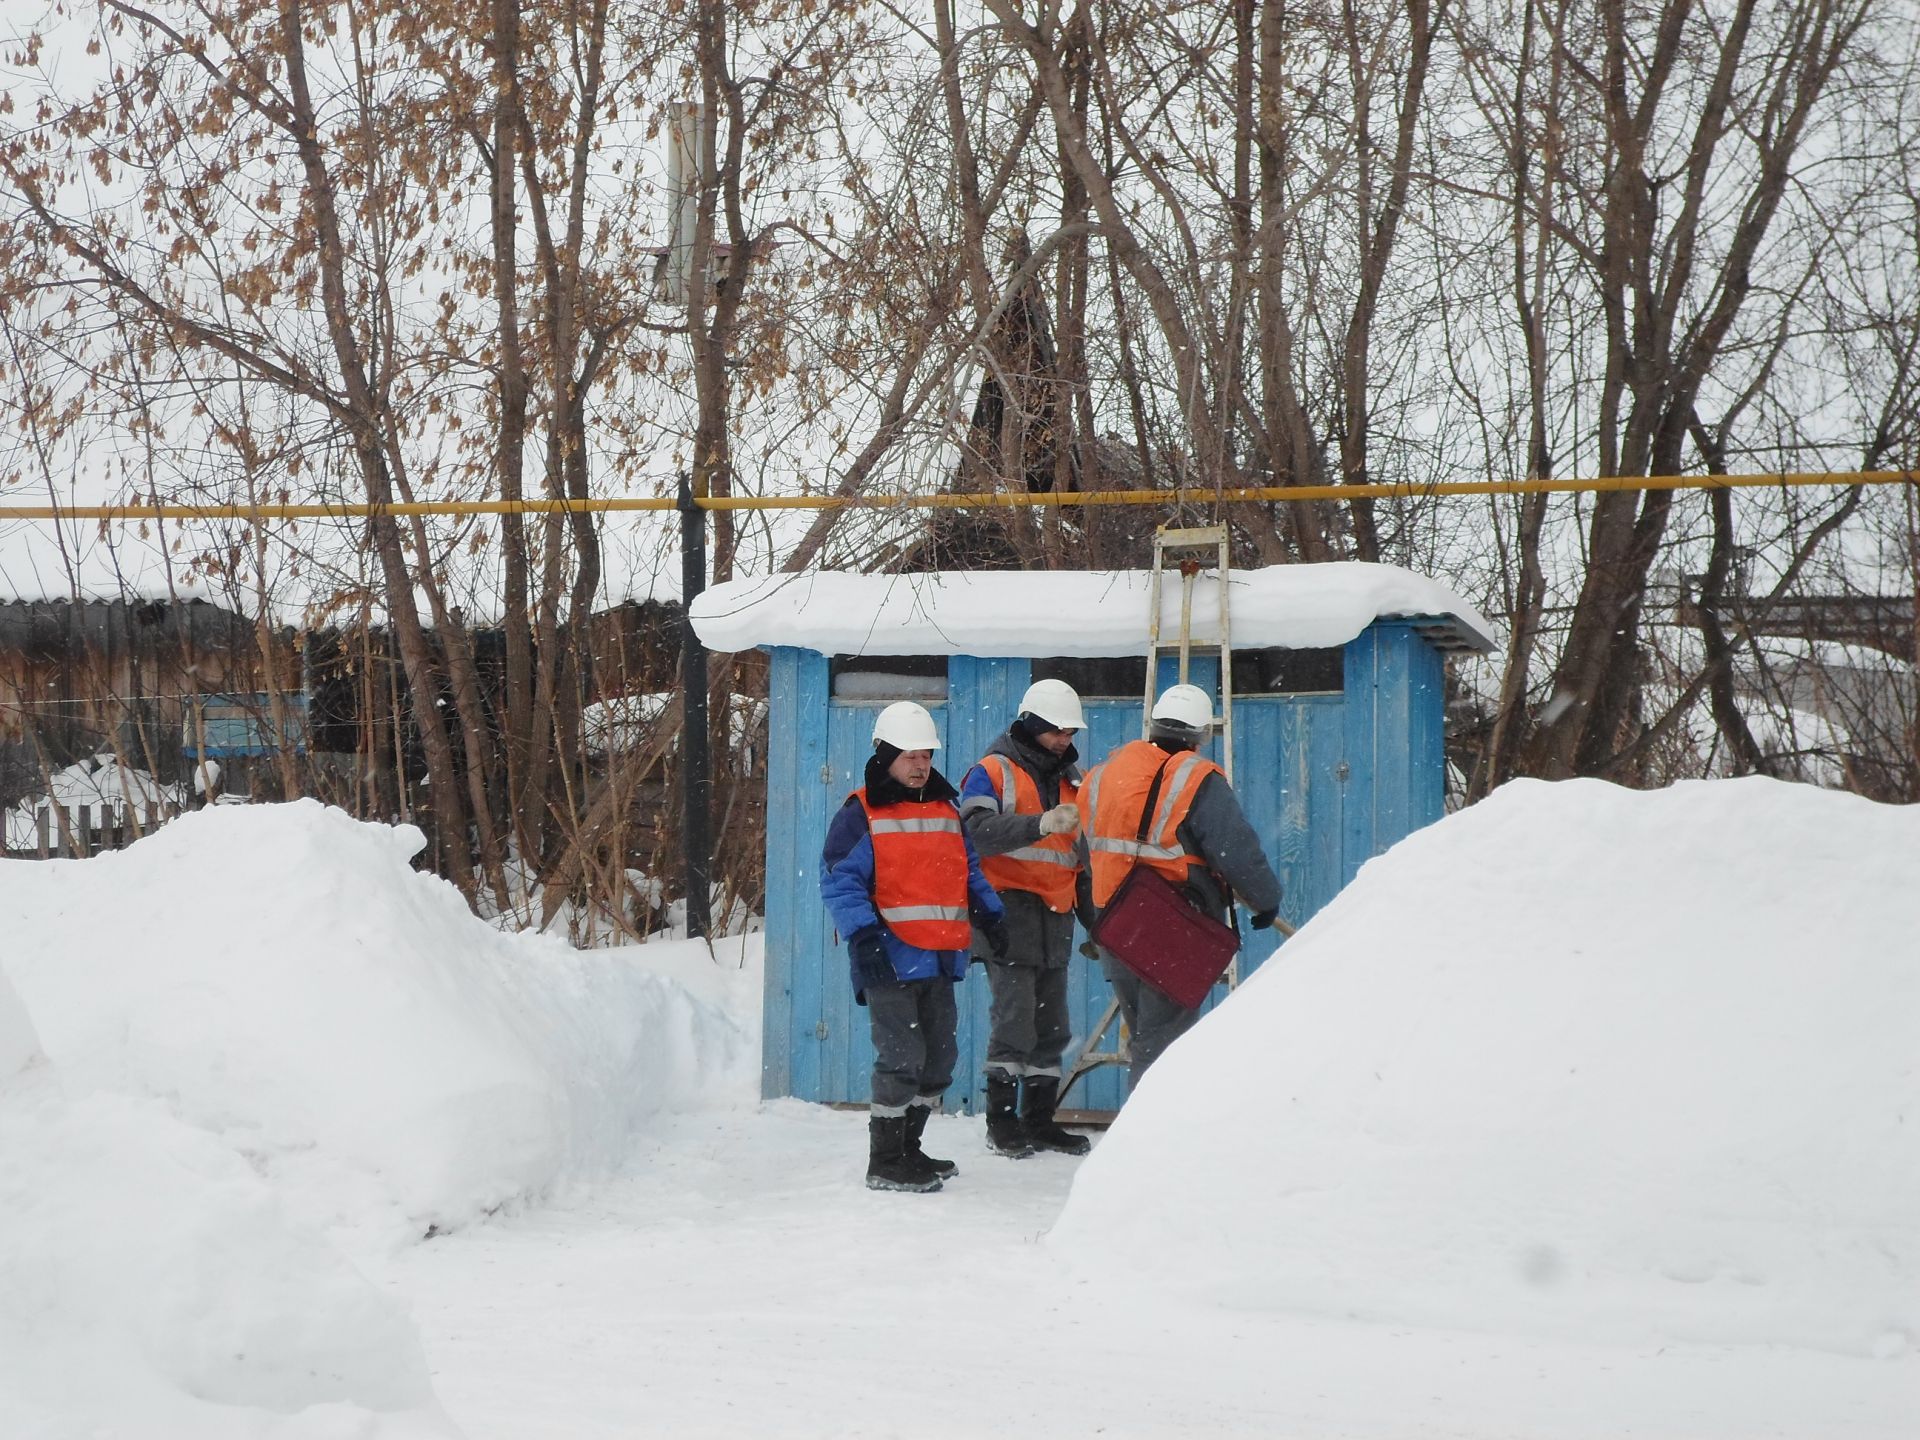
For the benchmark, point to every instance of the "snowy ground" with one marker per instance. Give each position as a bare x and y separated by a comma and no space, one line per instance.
742,1283
1598,1122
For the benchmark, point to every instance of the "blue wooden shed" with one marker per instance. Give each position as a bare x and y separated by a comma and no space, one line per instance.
1339,695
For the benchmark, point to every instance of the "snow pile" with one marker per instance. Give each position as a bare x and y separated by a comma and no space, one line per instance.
151,1283
19,1046
282,978
1577,1061
269,1025
1018,612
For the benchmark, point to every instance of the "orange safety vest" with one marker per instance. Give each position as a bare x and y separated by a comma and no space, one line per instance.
920,872
1048,866
1111,803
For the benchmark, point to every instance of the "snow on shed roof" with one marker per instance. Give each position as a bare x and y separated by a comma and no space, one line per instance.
1090,613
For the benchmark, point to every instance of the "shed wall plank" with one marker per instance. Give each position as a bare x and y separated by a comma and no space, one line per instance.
1427,729
1327,799
1354,772
815,801
1392,753
844,1049
785,719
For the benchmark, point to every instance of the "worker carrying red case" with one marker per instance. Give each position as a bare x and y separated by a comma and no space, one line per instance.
1152,928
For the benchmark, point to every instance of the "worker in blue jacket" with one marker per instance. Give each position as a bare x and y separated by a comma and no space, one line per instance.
902,883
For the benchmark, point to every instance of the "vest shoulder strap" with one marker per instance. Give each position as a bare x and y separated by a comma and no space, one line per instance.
1153,794
1004,781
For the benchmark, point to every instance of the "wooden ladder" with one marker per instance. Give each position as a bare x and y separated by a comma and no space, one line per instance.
1184,547
1187,545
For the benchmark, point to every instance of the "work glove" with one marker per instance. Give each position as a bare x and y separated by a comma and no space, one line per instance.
870,963
1060,820
1264,920
994,928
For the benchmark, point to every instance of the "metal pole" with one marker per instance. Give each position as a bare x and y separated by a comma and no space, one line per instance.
696,763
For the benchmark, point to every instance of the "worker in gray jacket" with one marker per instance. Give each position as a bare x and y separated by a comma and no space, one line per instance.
1019,809
1197,836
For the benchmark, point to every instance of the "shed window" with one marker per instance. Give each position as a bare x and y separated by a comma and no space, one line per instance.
1271,671
867,678
1279,671
1116,678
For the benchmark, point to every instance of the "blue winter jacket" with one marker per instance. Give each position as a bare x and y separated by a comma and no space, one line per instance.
846,887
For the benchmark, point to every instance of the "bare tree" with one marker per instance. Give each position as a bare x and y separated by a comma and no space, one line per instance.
1701,124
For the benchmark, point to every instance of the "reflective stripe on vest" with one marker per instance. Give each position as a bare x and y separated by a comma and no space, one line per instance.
896,915
920,872
1110,808
936,825
1045,868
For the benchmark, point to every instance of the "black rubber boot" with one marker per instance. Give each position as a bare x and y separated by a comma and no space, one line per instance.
889,1166
1036,1115
1004,1133
916,1127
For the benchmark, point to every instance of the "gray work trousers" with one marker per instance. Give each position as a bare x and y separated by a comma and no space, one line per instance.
1031,1026
1153,1020
914,1048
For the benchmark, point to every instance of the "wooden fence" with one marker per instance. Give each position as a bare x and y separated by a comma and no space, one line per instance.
78,831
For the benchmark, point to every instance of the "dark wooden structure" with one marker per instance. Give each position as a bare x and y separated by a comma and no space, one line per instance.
79,678
1887,623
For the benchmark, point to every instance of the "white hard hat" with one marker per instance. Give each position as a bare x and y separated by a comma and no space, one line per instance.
1186,705
1054,702
906,726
